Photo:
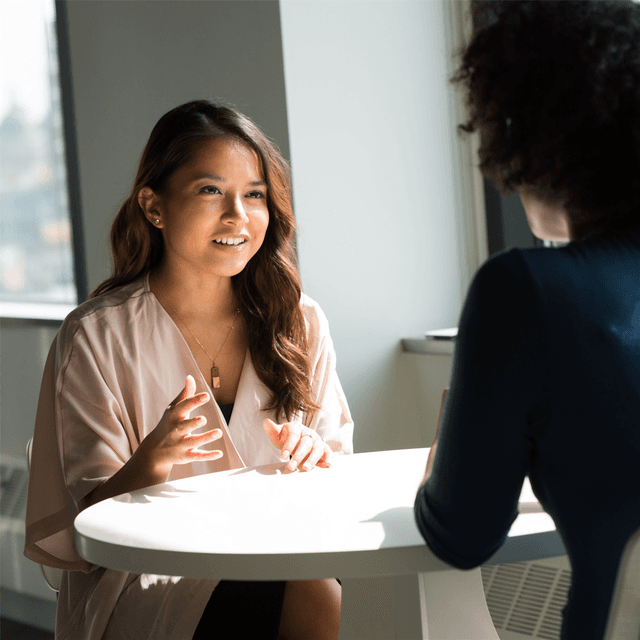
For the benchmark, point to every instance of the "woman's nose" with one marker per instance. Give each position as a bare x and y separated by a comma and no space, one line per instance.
235,210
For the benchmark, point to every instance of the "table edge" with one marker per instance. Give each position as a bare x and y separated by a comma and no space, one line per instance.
369,563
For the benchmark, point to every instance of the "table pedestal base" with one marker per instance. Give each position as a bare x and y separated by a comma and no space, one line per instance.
443,605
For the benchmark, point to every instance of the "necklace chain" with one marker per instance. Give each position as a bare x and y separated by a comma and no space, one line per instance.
215,373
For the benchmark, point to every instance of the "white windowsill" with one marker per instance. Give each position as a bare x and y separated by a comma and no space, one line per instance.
423,346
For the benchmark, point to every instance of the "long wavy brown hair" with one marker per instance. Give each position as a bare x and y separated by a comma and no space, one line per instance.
268,289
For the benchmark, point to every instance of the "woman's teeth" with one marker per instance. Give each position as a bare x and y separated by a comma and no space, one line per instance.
229,240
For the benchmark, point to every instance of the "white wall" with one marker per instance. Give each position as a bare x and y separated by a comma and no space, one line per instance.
377,194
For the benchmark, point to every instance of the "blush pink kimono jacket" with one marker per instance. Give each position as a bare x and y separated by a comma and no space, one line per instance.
116,363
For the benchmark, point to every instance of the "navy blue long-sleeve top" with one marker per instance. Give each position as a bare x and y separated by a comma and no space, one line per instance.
545,383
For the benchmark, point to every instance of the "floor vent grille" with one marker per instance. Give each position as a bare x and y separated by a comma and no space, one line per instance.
526,598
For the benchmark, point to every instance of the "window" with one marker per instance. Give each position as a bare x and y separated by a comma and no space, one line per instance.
38,267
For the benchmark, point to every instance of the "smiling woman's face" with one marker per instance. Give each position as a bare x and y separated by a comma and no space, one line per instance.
213,213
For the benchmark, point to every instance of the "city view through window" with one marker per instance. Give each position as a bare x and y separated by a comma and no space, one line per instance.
36,257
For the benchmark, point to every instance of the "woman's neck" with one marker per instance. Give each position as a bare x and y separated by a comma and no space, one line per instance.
197,298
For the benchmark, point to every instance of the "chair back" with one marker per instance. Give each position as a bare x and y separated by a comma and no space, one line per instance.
52,576
624,614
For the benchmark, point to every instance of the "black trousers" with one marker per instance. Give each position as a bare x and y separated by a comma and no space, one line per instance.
238,610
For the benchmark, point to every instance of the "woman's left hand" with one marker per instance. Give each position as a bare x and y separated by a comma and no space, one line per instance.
306,448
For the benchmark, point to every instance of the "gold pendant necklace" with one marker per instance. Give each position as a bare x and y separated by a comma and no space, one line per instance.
215,373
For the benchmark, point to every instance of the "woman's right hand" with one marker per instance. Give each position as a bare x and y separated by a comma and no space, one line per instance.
172,441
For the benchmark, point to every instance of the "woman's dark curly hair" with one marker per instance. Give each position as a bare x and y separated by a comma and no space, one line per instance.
268,289
554,90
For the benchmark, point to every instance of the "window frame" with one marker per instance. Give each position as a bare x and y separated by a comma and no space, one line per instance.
49,312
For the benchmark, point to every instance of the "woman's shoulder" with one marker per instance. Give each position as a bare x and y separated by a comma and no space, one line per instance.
105,309
505,286
518,267
314,315
600,256
507,268
573,272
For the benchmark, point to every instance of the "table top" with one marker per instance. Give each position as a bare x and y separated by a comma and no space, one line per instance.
354,520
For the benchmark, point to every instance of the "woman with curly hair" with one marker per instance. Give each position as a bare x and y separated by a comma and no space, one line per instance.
546,371
204,302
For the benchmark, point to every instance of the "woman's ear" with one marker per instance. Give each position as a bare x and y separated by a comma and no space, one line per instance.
149,203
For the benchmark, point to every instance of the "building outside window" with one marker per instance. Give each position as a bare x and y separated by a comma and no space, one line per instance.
37,271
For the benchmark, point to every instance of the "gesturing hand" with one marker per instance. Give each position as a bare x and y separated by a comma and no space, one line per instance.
306,447
172,442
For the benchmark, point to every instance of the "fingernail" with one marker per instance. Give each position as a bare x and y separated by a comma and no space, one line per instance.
293,464
285,455
306,466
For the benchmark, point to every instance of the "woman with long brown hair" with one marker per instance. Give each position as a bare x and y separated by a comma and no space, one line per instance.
205,301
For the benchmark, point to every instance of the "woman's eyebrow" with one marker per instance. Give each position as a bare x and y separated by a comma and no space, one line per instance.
210,176
215,176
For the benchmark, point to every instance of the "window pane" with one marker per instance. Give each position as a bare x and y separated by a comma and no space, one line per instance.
36,263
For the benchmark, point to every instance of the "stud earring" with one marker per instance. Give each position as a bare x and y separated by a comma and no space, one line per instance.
157,220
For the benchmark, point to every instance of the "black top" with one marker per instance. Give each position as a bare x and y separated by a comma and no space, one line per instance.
227,410
545,382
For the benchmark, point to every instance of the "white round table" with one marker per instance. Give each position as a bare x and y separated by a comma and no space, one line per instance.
352,521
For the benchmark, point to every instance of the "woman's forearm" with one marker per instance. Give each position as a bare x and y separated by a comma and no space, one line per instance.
137,473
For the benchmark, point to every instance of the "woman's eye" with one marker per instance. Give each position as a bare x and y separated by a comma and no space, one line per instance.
210,189
256,194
